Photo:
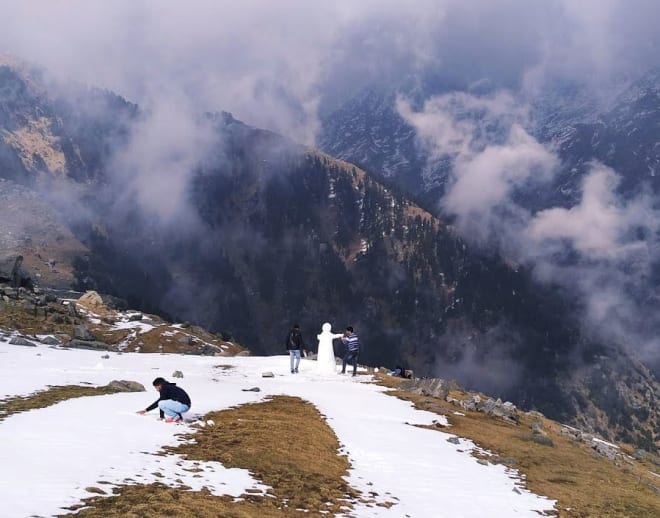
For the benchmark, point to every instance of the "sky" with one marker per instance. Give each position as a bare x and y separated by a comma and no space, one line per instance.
54,453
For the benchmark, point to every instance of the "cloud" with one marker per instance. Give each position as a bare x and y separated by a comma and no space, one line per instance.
599,227
155,168
274,64
491,152
602,250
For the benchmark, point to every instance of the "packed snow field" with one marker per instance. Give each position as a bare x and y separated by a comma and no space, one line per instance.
50,456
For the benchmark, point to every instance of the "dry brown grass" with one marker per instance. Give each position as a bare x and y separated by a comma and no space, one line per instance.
55,319
284,442
46,398
23,318
167,339
584,484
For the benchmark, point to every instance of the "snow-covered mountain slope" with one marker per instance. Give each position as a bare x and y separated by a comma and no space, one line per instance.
54,454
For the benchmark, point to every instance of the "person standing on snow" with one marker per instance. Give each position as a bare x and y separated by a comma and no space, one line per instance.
173,401
295,344
352,344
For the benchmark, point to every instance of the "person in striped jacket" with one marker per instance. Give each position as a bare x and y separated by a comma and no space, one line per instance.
352,344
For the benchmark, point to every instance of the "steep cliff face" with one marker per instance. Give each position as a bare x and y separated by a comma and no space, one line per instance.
269,232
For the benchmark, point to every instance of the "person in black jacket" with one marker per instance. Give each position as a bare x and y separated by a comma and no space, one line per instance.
173,401
295,344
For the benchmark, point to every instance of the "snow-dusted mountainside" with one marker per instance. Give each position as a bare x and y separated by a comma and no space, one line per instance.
56,454
258,232
623,137
368,131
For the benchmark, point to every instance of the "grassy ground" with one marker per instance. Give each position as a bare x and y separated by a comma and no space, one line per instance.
46,398
585,485
284,442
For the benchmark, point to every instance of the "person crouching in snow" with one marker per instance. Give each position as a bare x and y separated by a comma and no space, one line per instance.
173,401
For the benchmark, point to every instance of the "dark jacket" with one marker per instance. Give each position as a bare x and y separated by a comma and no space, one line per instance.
171,391
294,340
350,340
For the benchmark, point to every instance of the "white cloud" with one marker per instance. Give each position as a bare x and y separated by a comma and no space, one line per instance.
600,225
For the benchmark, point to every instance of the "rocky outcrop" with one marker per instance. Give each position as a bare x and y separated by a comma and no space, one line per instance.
494,407
433,387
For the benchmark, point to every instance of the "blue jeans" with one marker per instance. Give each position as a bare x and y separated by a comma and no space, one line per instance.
351,358
172,408
294,353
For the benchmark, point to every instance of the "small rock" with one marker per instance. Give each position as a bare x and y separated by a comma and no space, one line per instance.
253,389
177,374
105,357
267,375
454,440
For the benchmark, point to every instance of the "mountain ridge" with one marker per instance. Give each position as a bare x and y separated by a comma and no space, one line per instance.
274,233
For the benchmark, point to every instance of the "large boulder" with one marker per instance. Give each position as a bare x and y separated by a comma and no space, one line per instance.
127,386
91,298
19,340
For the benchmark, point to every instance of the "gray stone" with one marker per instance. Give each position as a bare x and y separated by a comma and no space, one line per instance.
177,374
19,340
454,440
267,375
132,317
253,389
186,339
540,439
50,340
640,454
81,332
208,349
90,344
507,461
71,309
434,387
606,450
537,428
127,386
489,406
105,357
